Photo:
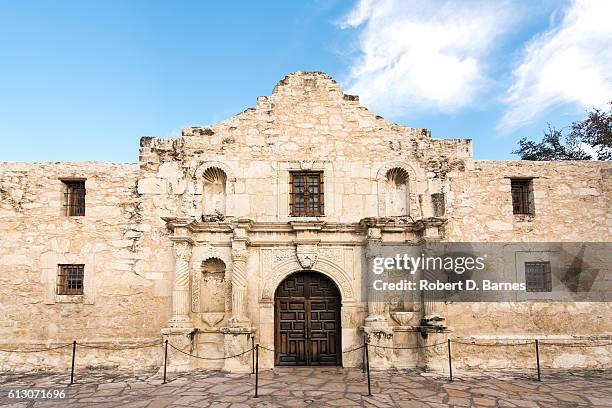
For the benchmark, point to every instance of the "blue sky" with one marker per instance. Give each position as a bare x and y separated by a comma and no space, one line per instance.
85,80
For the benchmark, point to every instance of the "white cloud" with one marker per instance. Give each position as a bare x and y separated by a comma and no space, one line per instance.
423,55
570,63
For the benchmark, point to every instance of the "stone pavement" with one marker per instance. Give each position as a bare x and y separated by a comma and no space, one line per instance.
318,387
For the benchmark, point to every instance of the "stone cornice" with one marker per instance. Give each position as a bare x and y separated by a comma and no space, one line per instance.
388,225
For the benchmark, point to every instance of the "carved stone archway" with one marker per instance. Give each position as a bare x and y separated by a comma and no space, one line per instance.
323,266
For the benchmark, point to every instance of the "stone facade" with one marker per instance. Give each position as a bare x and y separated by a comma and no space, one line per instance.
191,243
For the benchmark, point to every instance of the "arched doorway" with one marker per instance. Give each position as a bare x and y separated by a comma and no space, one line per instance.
307,321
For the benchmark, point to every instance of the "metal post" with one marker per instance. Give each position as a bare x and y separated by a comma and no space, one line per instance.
538,358
73,357
363,354
256,369
253,353
450,361
165,359
368,366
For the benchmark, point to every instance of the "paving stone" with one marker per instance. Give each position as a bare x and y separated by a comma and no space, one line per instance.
337,387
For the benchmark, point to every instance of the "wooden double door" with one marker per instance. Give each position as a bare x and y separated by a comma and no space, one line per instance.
307,321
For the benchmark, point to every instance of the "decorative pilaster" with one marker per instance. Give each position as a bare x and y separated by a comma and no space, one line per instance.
239,278
180,289
376,306
180,331
377,330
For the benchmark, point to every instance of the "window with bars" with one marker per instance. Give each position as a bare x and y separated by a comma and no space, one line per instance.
70,279
74,197
306,194
538,277
522,196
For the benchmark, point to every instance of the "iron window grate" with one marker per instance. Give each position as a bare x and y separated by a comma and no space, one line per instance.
70,279
521,192
538,277
306,193
74,198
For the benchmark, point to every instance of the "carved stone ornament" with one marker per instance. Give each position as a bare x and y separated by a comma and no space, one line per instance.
306,255
306,164
182,251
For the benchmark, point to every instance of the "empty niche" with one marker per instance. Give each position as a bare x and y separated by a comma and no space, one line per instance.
213,287
396,192
214,180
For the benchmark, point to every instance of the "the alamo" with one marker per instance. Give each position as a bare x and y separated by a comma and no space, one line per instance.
262,228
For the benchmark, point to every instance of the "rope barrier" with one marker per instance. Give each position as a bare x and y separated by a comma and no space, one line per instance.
210,358
35,350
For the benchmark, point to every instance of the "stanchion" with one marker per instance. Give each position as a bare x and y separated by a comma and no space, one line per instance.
367,364
537,345
73,357
450,361
253,353
165,359
363,355
256,369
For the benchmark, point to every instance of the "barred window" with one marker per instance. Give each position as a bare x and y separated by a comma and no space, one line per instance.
70,280
522,196
74,197
306,194
538,277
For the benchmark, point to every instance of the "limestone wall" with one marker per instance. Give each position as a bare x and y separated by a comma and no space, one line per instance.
120,303
572,202
307,123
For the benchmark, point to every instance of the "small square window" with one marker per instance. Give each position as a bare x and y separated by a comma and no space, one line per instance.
522,196
70,280
306,194
74,197
538,277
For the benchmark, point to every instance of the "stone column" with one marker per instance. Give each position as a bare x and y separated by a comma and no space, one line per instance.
377,330
180,290
180,331
239,282
237,337
376,307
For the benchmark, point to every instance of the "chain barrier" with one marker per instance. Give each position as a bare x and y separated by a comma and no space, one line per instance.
353,349
211,358
35,350
492,344
265,348
541,342
578,345
366,367
405,348
128,347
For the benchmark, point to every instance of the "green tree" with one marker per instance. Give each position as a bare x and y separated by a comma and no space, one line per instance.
594,132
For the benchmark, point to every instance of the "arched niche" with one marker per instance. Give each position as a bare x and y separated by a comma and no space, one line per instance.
396,192
214,185
398,186
216,182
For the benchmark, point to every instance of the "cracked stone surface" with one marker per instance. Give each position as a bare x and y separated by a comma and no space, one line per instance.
317,387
